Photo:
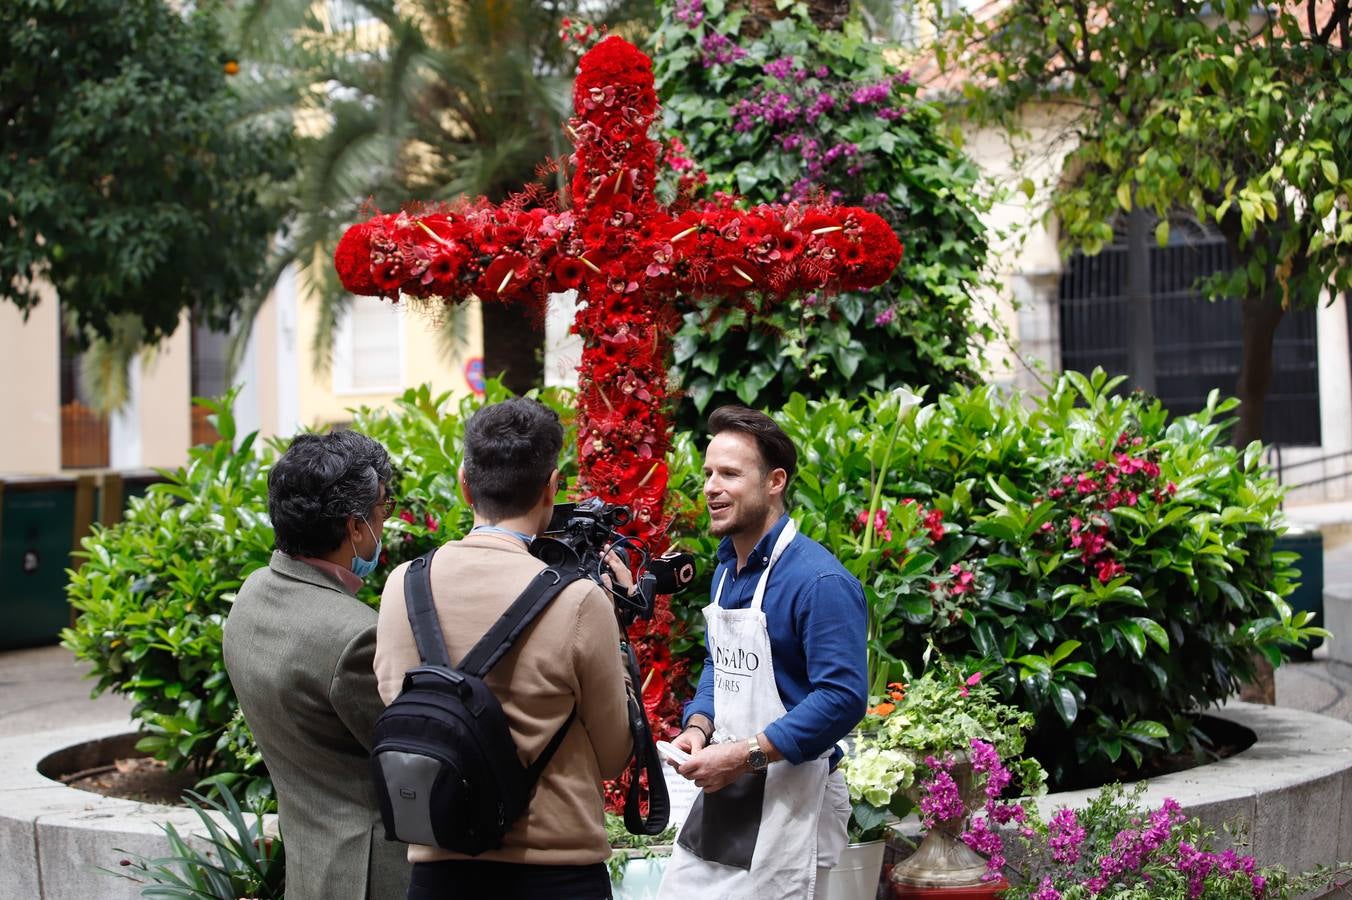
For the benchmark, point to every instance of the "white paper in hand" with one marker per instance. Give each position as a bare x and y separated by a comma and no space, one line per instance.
672,752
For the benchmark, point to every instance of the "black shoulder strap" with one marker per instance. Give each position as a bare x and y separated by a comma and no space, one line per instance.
543,588
422,617
422,614
537,768
644,761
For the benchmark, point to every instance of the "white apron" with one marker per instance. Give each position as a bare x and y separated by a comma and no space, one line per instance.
746,700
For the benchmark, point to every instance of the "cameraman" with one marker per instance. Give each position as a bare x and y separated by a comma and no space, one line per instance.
568,658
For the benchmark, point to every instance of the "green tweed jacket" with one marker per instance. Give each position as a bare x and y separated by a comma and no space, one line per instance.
298,649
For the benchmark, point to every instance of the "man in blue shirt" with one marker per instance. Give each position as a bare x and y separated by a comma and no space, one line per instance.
783,681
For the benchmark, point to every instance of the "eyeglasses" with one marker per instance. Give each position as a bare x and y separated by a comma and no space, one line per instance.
389,505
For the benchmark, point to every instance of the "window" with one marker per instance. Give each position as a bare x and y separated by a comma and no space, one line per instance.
84,432
208,378
368,348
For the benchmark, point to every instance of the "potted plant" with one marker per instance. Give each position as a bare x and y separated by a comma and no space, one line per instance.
876,778
929,744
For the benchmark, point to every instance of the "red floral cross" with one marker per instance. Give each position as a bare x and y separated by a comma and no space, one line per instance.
628,257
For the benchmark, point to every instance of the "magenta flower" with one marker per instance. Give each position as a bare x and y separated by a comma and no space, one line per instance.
1065,837
1045,891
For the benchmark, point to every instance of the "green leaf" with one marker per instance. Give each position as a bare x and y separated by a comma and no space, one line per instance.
1154,631
1134,635
1033,665
1063,701
1146,728
1064,649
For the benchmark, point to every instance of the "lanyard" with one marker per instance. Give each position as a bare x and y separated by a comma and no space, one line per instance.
494,529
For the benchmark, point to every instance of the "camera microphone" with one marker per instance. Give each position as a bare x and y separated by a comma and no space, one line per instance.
673,573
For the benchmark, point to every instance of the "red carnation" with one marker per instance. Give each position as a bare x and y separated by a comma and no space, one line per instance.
352,259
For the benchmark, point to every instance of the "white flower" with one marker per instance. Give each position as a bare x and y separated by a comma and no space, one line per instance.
874,774
906,399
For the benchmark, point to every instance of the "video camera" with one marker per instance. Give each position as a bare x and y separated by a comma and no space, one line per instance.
578,536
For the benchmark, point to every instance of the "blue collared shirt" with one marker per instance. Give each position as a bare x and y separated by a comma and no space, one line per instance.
818,625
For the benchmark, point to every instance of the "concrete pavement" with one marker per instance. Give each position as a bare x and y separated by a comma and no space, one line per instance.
44,688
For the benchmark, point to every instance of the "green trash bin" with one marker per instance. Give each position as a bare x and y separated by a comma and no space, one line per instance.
1309,597
40,521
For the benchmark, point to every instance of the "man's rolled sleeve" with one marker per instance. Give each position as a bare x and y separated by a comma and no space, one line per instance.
833,621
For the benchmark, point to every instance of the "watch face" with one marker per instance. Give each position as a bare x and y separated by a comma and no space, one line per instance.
757,760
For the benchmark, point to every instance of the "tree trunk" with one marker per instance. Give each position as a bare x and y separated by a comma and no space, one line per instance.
1260,317
513,346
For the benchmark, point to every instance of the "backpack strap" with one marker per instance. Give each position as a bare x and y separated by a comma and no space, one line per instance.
543,588
422,614
537,768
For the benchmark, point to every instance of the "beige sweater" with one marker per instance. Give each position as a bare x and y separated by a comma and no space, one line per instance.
569,655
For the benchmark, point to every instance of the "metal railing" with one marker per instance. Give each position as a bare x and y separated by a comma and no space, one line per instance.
1280,468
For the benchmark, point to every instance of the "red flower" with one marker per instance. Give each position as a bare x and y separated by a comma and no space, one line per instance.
934,521
388,277
442,271
1108,569
352,259
568,273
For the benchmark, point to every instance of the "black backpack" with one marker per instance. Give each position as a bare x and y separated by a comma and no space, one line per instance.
446,768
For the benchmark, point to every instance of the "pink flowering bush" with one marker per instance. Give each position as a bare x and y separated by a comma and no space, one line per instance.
1113,847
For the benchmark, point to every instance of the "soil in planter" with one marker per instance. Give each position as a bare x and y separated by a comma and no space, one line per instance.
141,779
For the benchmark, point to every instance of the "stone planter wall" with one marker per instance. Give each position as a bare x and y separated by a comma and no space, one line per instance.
1293,787
53,838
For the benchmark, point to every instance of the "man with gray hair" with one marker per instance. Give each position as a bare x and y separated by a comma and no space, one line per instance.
299,648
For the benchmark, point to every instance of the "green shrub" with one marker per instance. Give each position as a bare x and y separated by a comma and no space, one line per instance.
1113,626
1115,613
154,590
787,112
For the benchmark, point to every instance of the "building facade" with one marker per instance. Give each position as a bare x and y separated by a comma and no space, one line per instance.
379,350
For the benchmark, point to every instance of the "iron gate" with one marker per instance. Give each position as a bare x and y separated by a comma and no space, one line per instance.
1196,341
